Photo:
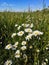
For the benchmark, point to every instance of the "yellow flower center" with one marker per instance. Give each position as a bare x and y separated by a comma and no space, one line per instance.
8,46
36,32
20,32
29,30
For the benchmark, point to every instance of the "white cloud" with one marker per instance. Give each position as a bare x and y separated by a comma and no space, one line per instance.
7,4
6,7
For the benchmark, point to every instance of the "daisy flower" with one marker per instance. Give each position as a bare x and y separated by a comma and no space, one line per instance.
17,54
44,63
37,50
28,37
14,34
24,42
15,46
9,46
8,62
20,33
46,60
25,25
30,46
16,43
16,25
31,25
28,30
23,48
36,32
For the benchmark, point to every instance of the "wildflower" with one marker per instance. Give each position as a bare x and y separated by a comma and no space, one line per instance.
23,24
44,63
37,50
36,32
17,54
20,33
16,43
9,46
26,25
16,25
28,30
30,47
31,25
14,34
8,62
28,37
23,48
46,60
0,42
15,46
19,27
23,42
47,48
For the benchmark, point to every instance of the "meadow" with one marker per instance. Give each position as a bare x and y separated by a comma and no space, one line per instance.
24,38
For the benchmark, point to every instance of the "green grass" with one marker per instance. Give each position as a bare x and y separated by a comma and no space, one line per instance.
7,23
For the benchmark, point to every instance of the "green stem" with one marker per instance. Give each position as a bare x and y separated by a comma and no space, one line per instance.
36,59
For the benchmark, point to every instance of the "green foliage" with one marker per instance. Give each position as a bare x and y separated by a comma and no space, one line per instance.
7,27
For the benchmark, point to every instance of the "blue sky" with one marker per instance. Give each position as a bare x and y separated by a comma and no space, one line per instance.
21,5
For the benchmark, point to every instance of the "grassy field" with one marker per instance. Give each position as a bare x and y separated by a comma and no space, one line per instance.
39,53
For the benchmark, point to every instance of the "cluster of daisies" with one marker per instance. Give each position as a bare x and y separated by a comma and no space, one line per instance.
24,30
